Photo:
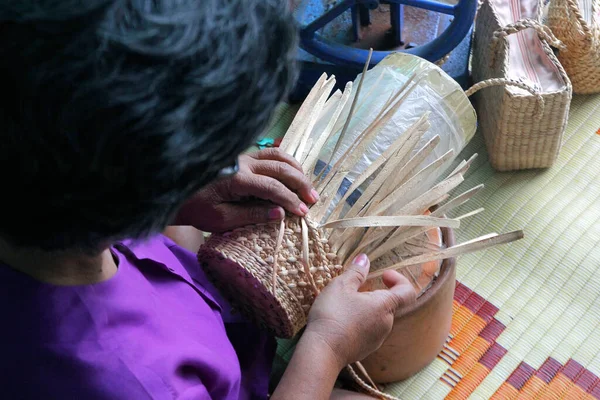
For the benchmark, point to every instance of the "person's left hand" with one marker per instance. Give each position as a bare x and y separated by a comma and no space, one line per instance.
267,182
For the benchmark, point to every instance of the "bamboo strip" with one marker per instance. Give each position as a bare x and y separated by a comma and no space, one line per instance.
277,248
364,139
350,159
411,232
470,214
438,190
398,220
306,256
428,199
311,159
396,241
412,136
464,248
402,194
350,113
313,117
464,166
377,238
457,201
301,115
332,101
373,167
370,92
394,181
329,107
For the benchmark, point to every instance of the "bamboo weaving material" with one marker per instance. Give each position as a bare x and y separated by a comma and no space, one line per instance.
273,272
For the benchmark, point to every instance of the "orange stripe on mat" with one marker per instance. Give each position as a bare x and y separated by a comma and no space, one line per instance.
574,393
477,374
455,307
468,384
468,334
533,386
460,318
506,392
556,388
470,356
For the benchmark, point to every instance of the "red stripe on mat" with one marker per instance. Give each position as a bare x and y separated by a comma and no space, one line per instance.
521,375
548,370
492,330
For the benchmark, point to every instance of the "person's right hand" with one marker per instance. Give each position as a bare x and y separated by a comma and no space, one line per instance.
354,324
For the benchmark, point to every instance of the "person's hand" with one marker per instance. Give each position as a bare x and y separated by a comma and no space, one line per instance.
354,324
344,326
267,182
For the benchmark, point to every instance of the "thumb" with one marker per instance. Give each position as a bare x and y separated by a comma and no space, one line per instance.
356,274
235,215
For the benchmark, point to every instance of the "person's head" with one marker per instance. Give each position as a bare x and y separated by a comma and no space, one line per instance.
114,112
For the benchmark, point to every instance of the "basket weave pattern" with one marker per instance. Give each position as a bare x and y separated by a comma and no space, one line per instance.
582,58
250,254
521,130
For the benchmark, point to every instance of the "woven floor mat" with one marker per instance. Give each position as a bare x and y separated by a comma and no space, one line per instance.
526,318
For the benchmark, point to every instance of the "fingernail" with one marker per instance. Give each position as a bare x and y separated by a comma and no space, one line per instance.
303,208
315,195
275,214
361,260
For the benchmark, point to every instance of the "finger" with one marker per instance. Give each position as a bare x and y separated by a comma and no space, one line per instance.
236,215
267,188
400,293
289,176
277,155
392,278
356,274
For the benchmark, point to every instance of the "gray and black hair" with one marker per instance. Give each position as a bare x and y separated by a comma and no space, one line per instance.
115,112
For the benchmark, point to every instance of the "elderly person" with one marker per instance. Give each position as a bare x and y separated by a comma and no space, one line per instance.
121,117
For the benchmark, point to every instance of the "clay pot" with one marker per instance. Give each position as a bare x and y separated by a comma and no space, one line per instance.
419,331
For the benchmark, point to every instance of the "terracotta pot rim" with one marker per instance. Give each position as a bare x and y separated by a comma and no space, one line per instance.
447,266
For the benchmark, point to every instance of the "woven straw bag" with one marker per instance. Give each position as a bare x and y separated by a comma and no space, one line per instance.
578,28
524,112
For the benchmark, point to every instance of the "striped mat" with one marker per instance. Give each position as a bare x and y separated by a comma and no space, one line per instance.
526,320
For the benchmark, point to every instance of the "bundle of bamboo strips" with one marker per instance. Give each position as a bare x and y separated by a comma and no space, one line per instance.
275,271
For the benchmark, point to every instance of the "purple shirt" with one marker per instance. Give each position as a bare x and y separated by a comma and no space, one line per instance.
157,329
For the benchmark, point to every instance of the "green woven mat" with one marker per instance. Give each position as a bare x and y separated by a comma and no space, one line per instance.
539,297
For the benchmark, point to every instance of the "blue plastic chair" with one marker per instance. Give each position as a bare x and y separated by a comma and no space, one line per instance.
336,53
346,62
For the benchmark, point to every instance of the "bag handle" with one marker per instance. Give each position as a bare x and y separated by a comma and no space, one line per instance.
574,8
539,109
544,32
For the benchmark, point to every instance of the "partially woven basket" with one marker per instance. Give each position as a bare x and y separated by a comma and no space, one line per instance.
274,272
579,29
245,259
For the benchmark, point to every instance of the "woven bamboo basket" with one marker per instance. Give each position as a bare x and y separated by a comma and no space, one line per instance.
273,272
524,115
578,28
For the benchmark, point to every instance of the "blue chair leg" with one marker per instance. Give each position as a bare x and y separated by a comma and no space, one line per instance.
397,18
